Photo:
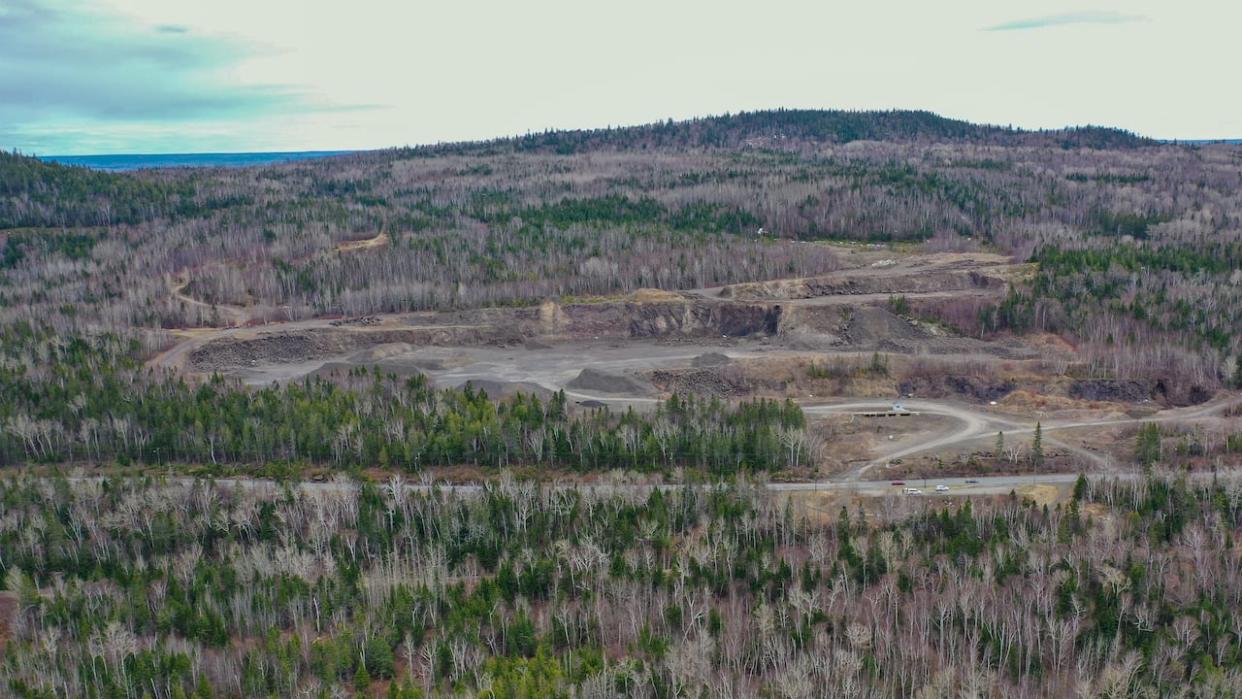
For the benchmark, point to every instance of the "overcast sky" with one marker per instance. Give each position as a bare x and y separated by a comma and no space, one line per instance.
125,76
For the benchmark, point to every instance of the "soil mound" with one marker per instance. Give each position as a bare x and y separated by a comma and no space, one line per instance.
597,381
869,326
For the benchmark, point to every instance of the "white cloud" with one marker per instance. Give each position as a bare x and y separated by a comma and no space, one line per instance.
483,68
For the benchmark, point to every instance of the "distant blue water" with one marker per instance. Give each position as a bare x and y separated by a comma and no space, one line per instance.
119,163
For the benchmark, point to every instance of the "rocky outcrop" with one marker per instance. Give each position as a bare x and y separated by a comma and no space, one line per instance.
681,318
1112,390
946,386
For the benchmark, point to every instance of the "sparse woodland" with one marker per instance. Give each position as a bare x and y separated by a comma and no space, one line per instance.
136,589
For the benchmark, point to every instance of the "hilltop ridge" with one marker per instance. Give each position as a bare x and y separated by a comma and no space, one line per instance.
777,127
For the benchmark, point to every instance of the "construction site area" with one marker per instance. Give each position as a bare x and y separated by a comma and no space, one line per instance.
890,392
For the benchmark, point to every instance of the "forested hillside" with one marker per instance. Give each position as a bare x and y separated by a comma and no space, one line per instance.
792,127
1137,241
34,193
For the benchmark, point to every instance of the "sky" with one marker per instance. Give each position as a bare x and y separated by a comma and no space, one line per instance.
177,76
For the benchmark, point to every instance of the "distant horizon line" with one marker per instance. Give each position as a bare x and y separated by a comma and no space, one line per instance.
129,162
350,151
171,154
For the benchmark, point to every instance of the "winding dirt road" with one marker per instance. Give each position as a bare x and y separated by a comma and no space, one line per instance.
976,423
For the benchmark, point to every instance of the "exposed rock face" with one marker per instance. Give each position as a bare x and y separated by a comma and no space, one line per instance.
948,385
1114,390
1181,393
680,318
1136,390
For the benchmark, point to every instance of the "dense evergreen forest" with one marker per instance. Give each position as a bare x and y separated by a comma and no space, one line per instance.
129,588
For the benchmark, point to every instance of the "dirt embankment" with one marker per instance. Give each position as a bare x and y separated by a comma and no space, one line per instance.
862,282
